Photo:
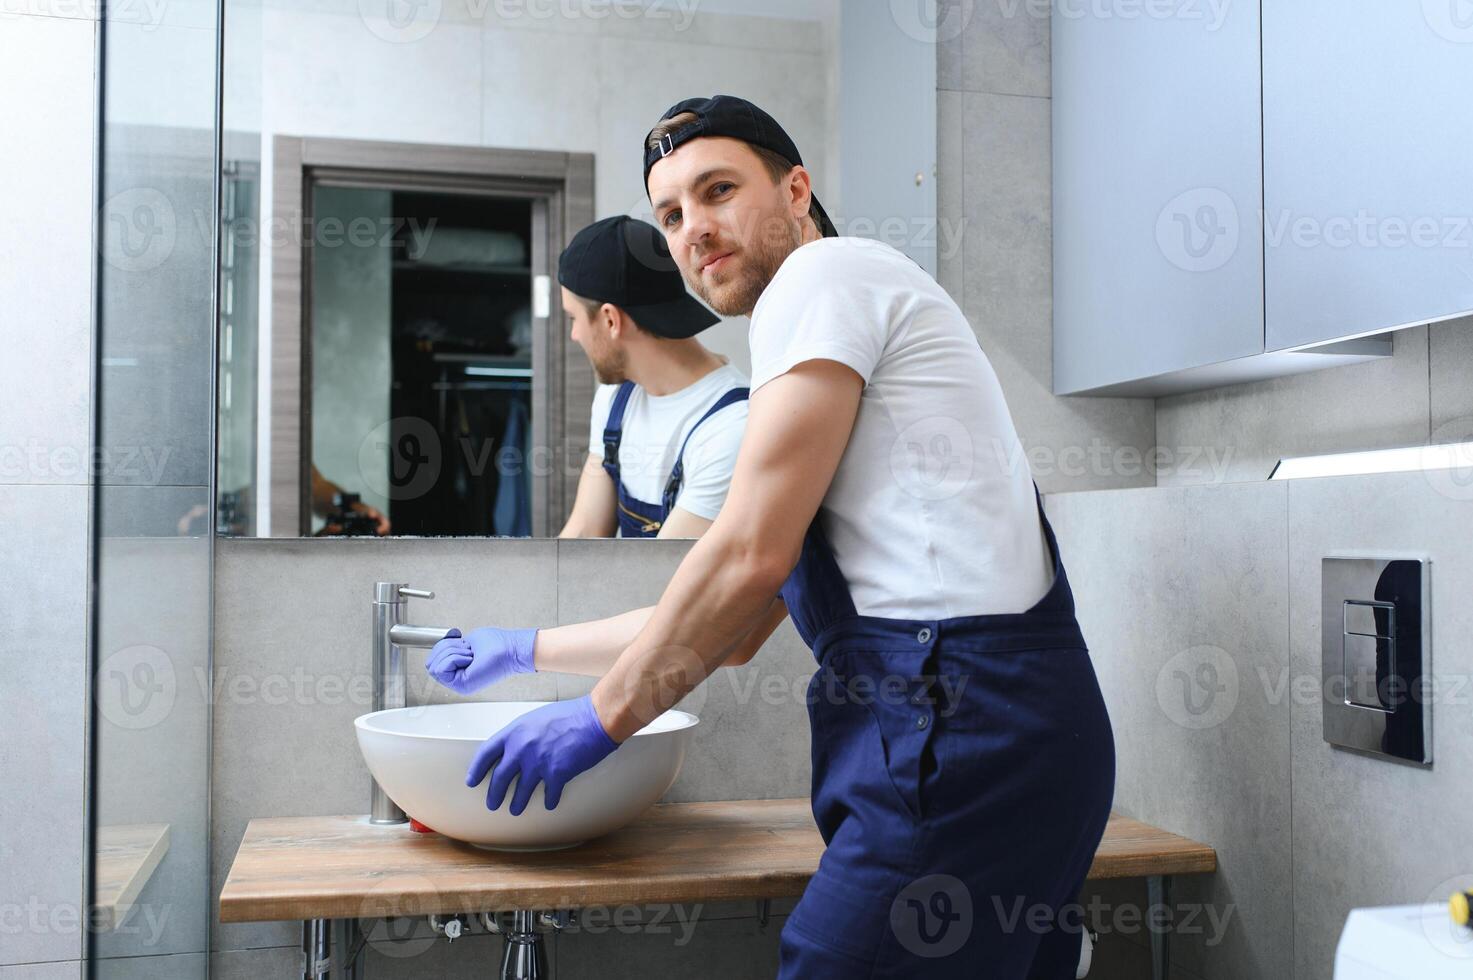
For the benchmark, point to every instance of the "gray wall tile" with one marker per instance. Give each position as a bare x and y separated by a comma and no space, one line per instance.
1240,431
46,248
1181,594
1450,356
43,553
1073,443
1368,831
1005,47
57,970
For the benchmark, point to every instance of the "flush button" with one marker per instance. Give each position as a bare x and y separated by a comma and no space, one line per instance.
1370,618
1370,672
924,636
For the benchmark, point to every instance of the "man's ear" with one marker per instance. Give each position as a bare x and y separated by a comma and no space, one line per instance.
800,187
613,320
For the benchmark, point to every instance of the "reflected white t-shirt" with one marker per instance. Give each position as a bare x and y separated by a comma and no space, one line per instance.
655,426
931,513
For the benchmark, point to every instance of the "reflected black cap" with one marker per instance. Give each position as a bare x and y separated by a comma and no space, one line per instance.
727,115
625,261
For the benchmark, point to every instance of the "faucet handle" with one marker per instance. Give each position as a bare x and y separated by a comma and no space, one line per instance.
409,593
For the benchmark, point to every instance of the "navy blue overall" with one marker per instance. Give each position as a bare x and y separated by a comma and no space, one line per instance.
638,519
963,771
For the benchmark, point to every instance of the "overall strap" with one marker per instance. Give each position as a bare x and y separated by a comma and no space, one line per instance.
614,429
677,474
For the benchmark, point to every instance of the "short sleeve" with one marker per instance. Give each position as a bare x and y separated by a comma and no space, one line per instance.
603,400
823,303
710,459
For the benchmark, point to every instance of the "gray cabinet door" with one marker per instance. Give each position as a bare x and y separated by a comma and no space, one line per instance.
1368,165
1157,189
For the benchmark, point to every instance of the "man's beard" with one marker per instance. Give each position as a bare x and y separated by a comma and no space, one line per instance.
609,370
738,296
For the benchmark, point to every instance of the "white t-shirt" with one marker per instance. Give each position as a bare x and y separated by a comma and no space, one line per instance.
931,513
655,427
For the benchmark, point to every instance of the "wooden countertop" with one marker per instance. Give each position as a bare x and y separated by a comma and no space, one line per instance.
345,867
127,855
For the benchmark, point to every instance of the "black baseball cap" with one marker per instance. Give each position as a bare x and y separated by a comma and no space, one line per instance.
625,261
727,115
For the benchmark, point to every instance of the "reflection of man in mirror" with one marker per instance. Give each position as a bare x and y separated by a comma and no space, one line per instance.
344,512
669,414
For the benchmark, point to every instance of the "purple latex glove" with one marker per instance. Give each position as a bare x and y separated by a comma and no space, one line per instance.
550,744
466,664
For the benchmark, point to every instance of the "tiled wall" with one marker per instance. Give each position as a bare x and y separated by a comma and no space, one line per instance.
1202,609
995,174
45,413
295,616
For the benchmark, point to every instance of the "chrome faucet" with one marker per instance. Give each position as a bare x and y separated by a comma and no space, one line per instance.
391,635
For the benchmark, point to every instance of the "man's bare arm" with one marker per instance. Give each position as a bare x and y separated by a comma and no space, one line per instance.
593,506
797,428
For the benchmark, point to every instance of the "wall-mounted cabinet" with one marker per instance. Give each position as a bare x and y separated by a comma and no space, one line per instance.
1368,166
1207,162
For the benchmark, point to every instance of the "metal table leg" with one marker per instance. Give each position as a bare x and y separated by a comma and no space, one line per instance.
316,949
1158,893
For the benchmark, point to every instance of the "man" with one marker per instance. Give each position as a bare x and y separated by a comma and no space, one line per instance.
963,760
668,417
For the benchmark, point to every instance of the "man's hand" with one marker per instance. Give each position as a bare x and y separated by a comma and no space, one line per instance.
466,664
550,745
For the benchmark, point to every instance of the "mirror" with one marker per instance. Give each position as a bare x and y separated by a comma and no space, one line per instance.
398,182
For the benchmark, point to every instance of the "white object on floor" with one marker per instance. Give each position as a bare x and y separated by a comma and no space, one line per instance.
1086,955
420,756
1404,942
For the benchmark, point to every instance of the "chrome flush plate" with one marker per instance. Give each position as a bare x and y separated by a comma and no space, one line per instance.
1376,638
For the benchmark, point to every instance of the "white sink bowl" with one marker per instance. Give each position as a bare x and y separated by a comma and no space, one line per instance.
420,757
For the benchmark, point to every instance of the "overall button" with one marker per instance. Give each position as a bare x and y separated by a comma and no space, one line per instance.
924,636
922,721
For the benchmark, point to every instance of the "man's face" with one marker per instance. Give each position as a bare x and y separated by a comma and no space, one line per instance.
729,227
590,331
